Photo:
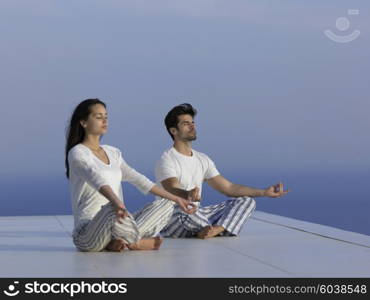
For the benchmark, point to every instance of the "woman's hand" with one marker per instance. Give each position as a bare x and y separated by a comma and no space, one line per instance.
121,211
187,206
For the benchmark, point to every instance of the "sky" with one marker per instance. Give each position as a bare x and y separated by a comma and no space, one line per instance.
276,98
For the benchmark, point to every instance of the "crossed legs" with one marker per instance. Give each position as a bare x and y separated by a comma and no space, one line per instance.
225,218
149,221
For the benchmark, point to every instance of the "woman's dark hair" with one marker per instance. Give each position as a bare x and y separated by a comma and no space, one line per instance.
75,132
172,120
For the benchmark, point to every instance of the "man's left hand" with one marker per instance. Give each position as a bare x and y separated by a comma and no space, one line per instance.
275,191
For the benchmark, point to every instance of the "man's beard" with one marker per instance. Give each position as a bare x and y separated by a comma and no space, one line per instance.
191,138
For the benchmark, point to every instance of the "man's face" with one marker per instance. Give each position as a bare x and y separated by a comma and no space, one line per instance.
185,129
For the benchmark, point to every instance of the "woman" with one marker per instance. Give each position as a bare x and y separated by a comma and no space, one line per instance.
95,172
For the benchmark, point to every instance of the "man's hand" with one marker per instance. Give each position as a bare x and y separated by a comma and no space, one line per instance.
275,191
121,213
194,195
187,206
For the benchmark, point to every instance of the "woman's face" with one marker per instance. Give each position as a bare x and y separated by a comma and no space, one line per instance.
97,122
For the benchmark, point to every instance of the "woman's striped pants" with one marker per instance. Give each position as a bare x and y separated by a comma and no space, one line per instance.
230,214
95,234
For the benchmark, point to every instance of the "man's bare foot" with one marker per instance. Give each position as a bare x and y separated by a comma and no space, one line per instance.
116,245
147,244
210,231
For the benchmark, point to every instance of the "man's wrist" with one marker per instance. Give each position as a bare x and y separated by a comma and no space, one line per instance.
178,200
120,206
262,193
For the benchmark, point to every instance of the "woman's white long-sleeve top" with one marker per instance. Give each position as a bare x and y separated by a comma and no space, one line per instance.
87,174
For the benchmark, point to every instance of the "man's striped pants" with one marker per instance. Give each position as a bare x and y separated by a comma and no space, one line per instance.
230,214
95,234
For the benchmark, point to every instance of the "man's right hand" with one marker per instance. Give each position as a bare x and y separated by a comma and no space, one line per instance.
193,195
187,206
121,213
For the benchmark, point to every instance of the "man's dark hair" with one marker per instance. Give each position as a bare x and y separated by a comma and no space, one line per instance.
172,119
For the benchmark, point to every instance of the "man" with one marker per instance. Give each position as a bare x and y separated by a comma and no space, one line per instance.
181,170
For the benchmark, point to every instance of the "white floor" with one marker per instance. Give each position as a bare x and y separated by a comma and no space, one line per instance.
269,246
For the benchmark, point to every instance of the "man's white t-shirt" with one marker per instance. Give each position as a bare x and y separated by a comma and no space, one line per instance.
190,171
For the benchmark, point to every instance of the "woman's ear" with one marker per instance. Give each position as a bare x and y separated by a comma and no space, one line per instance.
83,124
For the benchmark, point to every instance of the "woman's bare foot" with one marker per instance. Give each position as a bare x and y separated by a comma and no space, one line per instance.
147,244
205,230
116,245
210,231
